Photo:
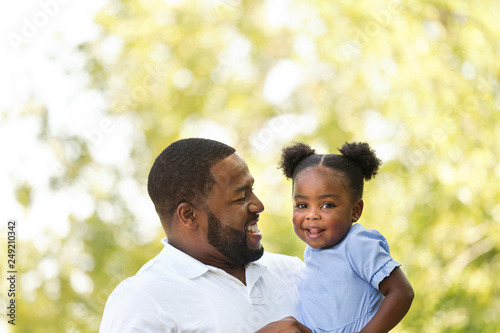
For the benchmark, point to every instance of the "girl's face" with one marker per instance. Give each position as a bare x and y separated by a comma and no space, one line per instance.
323,209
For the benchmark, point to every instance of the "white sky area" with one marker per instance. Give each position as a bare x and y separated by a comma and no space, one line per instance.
38,62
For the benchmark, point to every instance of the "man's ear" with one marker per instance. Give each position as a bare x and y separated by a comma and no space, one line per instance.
357,210
187,215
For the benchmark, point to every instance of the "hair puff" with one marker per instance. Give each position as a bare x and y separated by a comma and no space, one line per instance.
362,154
291,157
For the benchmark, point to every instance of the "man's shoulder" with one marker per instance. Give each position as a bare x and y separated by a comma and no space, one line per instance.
143,283
142,289
154,269
134,305
276,260
282,270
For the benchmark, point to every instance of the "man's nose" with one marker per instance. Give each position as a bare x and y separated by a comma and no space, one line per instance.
256,206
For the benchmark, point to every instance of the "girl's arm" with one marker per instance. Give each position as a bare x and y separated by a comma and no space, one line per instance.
398,297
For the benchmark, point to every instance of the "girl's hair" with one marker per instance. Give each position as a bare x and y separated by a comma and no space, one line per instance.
357,162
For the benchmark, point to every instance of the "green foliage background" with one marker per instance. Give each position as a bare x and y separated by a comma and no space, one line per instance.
419,80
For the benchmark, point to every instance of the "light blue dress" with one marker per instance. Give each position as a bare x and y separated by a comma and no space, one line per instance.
340,292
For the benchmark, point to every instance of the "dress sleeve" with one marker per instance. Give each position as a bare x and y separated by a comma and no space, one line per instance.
369,256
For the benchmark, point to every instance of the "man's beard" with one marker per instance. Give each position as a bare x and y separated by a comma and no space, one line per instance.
232,243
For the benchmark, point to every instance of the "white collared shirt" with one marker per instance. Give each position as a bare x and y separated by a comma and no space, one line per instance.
174,292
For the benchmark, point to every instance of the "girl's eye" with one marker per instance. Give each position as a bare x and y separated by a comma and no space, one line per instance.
328,205
301,206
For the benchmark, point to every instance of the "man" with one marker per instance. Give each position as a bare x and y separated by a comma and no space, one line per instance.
212,274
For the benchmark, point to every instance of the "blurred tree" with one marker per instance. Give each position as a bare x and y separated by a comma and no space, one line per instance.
418,80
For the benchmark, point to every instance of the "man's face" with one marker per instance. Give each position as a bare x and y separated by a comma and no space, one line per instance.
233,212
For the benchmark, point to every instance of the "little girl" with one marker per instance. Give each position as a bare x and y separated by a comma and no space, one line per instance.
351,283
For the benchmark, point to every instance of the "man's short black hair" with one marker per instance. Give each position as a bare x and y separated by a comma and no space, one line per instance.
181,173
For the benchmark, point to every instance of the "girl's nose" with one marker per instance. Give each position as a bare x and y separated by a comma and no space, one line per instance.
312,214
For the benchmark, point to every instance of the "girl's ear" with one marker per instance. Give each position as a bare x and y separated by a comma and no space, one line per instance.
357,210
187,215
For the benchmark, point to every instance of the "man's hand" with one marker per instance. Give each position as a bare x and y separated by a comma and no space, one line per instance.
285,325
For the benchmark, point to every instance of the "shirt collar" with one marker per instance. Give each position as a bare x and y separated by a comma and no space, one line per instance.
254,271
191,268
183,263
